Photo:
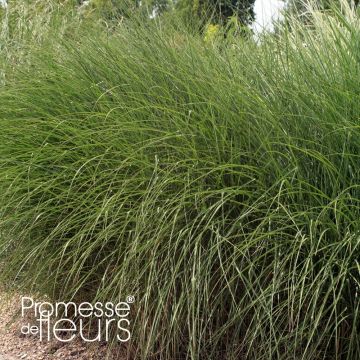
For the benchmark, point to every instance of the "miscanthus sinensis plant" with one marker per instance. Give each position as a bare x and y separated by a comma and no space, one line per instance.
26,25
218,184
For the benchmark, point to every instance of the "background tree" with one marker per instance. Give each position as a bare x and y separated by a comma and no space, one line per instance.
218,11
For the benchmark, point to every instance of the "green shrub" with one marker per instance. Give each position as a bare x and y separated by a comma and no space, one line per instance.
219,184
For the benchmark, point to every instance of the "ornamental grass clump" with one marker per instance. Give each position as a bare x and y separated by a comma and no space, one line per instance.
217,183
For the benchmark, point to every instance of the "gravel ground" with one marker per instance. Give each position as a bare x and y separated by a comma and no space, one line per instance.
7,357
15,345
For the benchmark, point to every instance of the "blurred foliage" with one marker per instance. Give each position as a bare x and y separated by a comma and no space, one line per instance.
232,14
211,32
218,11
204,11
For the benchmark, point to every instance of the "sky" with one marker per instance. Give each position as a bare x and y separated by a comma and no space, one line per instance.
266,11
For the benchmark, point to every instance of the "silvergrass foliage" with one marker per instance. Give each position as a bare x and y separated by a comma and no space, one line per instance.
217,183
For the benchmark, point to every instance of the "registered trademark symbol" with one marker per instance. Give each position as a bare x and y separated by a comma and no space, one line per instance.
130,299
